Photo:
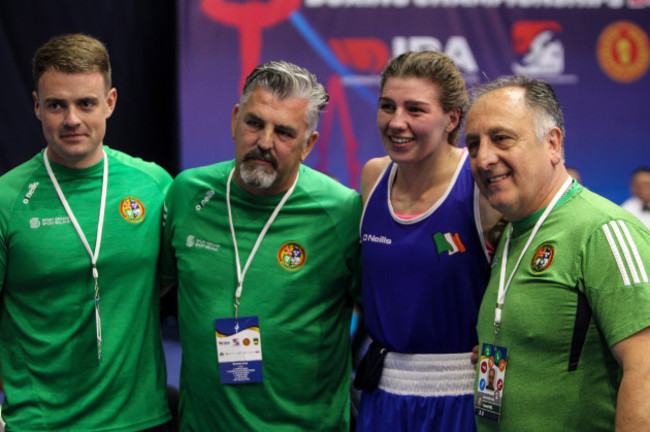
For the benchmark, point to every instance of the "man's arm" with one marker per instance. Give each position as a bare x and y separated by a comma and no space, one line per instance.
492,222
633,406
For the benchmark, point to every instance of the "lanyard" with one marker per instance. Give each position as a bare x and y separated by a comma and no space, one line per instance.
503,285
242,273
98,240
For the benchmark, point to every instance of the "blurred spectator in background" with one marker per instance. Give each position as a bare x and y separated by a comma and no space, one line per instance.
639,203
573,172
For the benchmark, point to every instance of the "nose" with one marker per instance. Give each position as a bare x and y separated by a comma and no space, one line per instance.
71,119
265,138
397,119
485,158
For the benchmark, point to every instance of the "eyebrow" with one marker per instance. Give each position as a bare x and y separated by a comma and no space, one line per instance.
492,131
78,100
407,102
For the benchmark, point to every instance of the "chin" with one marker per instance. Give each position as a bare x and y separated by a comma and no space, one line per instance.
497,203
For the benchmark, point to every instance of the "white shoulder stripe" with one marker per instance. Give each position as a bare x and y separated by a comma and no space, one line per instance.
635,251
625,252
617,255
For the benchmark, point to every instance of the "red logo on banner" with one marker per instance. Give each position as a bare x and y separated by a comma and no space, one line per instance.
538,47
364,54
623,51
250,18
525,32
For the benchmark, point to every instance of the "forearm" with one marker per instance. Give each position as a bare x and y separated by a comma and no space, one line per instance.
633,407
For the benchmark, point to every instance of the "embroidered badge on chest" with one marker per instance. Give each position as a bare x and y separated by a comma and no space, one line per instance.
291,255
132,209
543,257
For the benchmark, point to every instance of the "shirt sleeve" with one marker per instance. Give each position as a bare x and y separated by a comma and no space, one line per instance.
615,261
5,210
168,272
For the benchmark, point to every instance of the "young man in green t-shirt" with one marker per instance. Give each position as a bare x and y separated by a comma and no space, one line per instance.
80,226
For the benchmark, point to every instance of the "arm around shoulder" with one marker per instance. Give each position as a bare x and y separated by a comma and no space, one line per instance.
492,222
633,406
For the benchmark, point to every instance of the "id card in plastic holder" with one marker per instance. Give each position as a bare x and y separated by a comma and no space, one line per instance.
239,350
488,394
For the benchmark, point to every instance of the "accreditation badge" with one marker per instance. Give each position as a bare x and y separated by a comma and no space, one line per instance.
491,378
239,350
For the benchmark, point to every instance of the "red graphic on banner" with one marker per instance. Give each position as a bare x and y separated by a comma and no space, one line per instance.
364,54
250,19
524,32
338,104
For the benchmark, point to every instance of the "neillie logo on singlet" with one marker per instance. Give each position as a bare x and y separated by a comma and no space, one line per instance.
543,258
448,242
208,195
376,239
291,256
30,192
132,209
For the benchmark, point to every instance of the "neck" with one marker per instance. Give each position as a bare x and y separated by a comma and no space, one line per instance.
435,171
69,162
556,186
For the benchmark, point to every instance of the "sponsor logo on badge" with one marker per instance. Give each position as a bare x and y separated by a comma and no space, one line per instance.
291,256
623,51
132,209
543,258
34,222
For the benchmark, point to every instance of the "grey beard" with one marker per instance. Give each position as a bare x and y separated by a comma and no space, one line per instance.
256,176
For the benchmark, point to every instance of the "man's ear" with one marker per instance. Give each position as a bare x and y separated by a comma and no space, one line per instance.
309,145
554,137
233,122
111,100
37,105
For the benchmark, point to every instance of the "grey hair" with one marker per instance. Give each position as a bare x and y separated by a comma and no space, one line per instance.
540,99
287,80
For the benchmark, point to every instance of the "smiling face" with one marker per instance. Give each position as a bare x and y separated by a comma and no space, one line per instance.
517,174
73,108
411,120
271,141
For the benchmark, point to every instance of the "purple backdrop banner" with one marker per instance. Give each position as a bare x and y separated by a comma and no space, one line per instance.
595,53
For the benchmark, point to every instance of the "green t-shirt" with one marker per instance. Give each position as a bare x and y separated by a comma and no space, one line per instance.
581,287
304,306
48,352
